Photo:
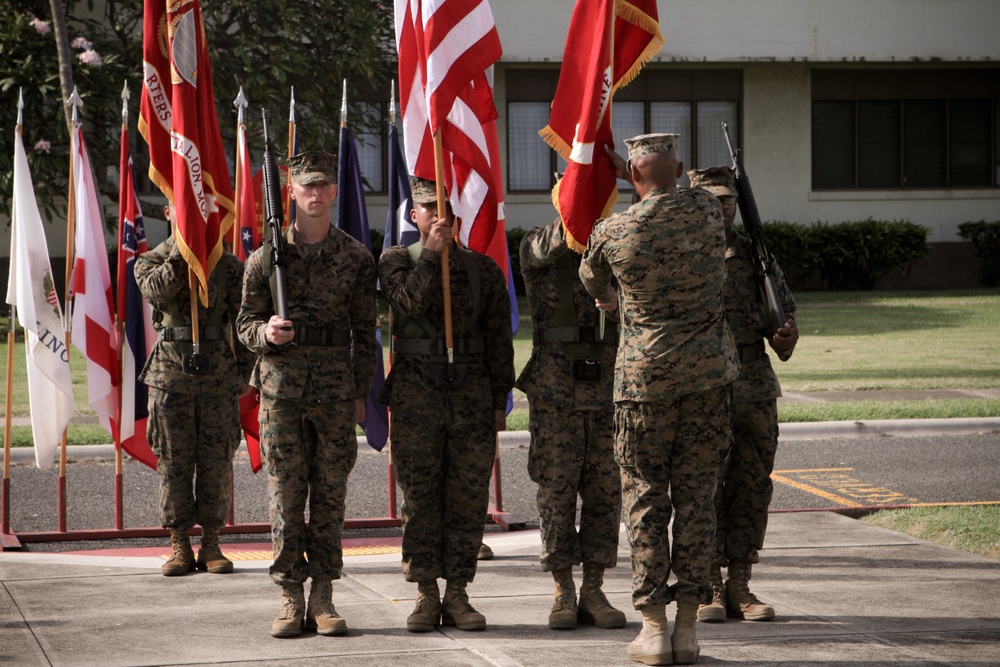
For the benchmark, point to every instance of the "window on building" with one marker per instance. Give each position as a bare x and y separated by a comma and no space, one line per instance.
890,129
687,102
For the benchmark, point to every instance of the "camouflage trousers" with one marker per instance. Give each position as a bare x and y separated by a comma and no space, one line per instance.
745,488
308,449
670,453
194,437
443,457
572,454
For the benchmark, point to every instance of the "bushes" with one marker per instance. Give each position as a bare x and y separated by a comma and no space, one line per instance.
986,237
847,255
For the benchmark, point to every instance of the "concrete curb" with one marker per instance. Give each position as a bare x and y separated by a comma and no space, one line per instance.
788,432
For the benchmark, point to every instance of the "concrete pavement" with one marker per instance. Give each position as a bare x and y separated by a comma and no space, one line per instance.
845,594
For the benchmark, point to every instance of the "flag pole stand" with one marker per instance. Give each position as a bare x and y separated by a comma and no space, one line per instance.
7,540
496,512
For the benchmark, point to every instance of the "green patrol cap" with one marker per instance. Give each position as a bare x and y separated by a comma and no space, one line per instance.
720,181
645,144
313,167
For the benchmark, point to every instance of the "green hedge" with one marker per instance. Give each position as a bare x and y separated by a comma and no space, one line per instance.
985,236
843,256
846,255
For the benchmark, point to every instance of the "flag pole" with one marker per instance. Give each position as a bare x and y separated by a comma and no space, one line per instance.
120,332
392,342
291,152
442,205
241,104
602,315
76,102
9,396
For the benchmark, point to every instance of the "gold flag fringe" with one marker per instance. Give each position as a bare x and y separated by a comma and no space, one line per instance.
629,12
555,142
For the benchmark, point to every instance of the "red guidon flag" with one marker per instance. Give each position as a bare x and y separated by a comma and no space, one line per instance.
608,42
179,121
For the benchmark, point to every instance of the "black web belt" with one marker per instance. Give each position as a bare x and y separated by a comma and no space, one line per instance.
751,351
435,347
575,335
322,336
175,334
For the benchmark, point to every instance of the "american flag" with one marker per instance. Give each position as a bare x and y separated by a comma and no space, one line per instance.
446,51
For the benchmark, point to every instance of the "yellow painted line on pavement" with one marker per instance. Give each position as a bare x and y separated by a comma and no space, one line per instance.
812,489
833,485
968,503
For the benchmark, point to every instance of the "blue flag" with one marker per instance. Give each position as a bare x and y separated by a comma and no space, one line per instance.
352,217
399,228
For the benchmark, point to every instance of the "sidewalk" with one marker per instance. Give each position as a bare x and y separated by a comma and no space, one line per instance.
845,594
788,432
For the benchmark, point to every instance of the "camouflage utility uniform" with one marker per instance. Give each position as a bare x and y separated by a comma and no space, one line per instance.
193,426
571,416
444,438
675,361
308,388
745,488
569,380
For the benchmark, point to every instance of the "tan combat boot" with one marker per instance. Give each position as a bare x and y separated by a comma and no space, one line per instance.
739,600
210,557
427,612
652,646
320,613
563,614
594,606
485,552
456,610
683,639
181,560
714,612
293,609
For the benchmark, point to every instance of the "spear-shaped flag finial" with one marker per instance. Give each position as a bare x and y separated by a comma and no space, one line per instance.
291,107
20,106
76,102
241,104
392,103
126,95
343,107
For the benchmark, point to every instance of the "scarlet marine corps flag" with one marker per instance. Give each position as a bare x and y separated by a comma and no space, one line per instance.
609,41
178,119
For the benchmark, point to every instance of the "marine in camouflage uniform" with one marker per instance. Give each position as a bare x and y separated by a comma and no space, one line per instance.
569,380
314,373
193,425
745,488
675,362
444,434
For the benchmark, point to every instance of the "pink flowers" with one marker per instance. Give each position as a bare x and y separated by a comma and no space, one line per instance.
43,146
91,58
41,27
82,43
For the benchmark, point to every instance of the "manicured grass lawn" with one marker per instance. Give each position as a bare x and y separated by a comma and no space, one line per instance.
850,341
975,528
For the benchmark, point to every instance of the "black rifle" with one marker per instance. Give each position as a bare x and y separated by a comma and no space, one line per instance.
273,216
762,258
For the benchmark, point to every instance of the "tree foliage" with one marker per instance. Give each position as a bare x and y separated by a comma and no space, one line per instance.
265,46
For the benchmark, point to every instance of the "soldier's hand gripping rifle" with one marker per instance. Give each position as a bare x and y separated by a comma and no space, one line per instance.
273,217
762,258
